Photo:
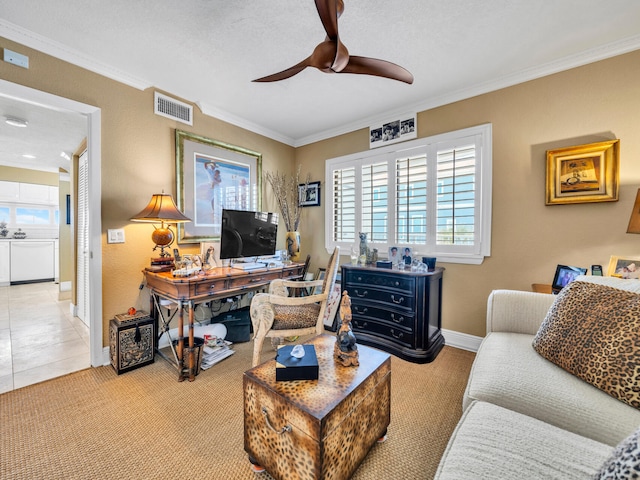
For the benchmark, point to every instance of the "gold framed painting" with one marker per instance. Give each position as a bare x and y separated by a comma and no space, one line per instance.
211,176
624,267
583,174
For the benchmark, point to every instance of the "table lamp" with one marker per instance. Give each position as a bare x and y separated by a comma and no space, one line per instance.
634,220
161,209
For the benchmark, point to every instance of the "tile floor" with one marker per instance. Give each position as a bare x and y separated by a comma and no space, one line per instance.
39,338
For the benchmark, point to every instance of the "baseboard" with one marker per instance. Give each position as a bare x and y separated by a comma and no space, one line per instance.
106,359
463,341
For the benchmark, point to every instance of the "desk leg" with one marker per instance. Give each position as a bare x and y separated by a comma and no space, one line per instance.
192,360
180,349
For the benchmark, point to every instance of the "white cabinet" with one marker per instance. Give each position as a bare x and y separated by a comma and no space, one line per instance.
5,263
32,260
38,194
9,191
31,193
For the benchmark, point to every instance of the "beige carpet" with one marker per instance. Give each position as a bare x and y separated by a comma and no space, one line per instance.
144,424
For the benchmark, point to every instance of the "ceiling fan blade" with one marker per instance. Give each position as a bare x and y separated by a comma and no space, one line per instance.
380,68
329,11
289,72
341,58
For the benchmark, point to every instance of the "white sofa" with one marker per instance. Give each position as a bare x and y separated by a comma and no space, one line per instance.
525,417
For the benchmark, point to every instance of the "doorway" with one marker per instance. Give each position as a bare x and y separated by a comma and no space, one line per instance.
93,187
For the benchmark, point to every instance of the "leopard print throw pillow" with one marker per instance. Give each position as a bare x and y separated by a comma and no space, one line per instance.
624,462
593,332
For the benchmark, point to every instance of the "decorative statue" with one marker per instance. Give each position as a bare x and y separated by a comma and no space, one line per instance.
345,350
370,256
364,248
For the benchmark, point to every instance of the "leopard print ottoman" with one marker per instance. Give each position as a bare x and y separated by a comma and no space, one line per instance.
317,429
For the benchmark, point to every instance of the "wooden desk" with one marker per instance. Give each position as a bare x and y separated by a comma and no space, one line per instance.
218,283
541,288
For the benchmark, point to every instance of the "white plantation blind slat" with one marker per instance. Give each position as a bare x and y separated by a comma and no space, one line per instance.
456,195
344,204
411,200
374,201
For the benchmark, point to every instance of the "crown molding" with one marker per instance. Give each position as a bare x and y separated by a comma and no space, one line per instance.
55,49
602,52
38,42
244,123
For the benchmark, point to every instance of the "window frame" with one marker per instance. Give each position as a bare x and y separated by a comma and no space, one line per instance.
429,146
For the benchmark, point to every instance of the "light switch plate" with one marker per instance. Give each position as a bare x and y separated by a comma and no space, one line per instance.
115,235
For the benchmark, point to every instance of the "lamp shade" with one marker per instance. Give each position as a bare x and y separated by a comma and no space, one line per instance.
161,209
634,220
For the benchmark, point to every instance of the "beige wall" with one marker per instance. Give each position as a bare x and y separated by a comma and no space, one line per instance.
138,160
596,102
593,103
11,174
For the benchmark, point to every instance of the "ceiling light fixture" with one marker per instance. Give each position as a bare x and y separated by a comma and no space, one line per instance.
16,122
65,155
27,155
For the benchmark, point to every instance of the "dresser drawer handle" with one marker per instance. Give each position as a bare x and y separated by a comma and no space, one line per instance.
398,336
361,311
361,295
286,428
397,320
360,324
400,300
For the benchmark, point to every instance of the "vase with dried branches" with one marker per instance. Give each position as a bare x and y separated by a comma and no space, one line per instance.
285,189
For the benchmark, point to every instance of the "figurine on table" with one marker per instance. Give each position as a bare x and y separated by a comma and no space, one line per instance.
346,349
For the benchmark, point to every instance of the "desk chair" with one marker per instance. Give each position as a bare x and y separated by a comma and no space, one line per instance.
301,292
278,315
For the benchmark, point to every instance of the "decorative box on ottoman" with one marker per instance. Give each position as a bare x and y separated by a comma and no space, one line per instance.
293,368
317,429
131,341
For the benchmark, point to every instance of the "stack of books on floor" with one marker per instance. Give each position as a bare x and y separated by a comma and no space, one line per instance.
161,264
213,354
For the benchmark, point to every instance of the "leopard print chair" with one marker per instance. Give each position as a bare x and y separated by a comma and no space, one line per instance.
277,314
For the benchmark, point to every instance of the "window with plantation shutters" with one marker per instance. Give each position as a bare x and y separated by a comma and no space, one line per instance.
431,194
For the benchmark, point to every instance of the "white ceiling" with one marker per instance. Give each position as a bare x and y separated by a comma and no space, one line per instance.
48,133
208,51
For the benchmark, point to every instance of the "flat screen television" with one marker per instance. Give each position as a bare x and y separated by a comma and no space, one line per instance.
248,234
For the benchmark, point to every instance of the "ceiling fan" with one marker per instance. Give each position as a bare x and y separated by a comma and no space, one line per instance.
331,56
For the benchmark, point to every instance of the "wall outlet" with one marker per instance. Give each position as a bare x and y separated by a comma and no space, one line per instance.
115,235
